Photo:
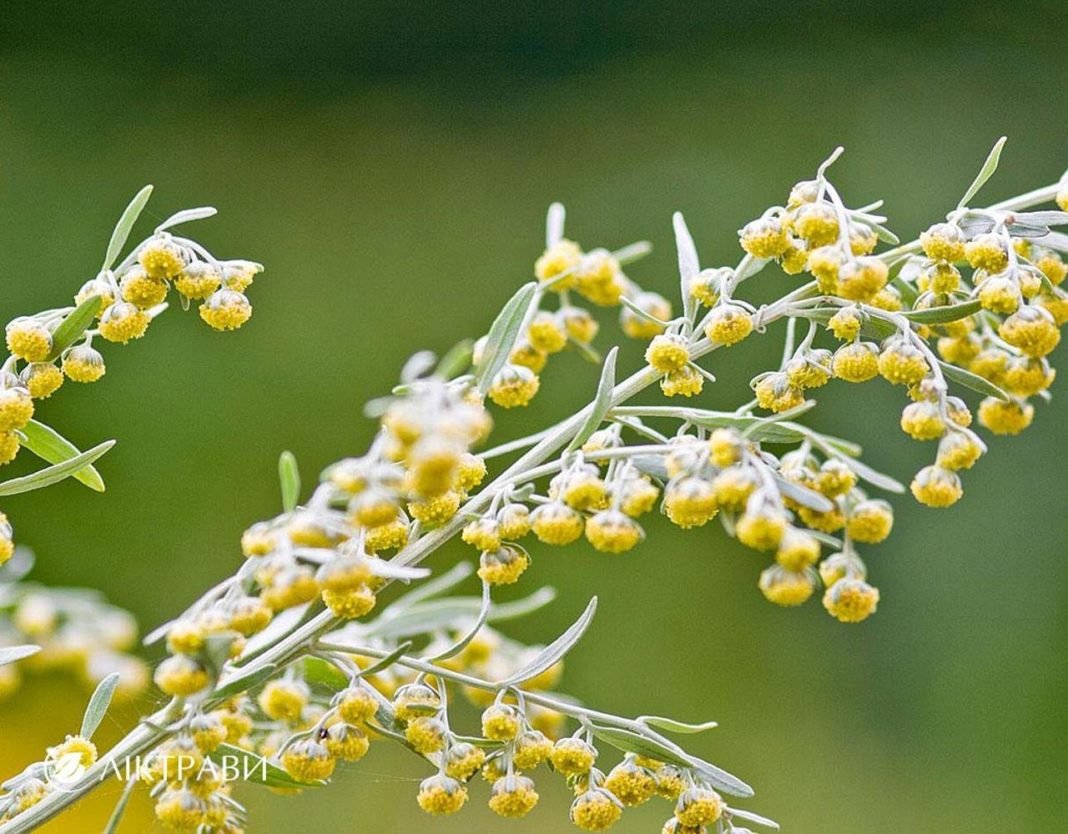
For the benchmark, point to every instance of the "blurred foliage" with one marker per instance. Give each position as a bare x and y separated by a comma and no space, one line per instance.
390,164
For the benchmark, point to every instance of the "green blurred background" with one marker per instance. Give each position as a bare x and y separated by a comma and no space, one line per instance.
390,163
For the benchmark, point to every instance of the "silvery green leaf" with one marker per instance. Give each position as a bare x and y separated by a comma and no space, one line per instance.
873,328
289,476
973,381
187,216
632,252
554,224
631,742
1026,230
503,334
433,615
985,173
10,654
1056,240
120,807
216,652
456,360
436,586
825,538
872,476
556,650
49,445
673,726
976,224
587,352
643,314
244,682
787,415
884,234
74,325
125,225
388,660
1041,218
942,315
803,495
385,568
472,631
749,816
15,568
652,465
257,769
56,473
98,704
513,610
417,365
689,265
719,778
601,403
317,671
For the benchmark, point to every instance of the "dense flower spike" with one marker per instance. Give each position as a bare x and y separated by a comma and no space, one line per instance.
295,659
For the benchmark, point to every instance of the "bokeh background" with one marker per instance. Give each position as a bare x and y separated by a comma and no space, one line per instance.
390,163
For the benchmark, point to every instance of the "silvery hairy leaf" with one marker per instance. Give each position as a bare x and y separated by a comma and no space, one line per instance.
601,403
49,445
556,650
125,225
503,334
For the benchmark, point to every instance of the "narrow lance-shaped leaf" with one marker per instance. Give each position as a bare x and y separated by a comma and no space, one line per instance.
120,807
125,225
631,742
456,360
973,381
49,445
503,335
601,403
673,726
554,224
98,704
388,660
54,474
985,173
289,476
74,325
556,650
943,315
749,816
689,265
12,654
187,216
244,682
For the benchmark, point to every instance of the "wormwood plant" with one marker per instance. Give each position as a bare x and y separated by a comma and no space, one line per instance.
294,660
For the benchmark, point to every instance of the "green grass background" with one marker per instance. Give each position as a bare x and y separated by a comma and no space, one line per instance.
391,164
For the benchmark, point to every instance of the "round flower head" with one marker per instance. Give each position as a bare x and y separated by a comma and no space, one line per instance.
239,275
936,487
728,324
513,796
811,370
725,447
180,809
161,259
870,521
1010,417
181,676
960,350
786,587
943,242
426,734
284,700
470,471
526,355
777,393
1025,377
902,363
503,566
501,722
556,523
546,334
705,286
351,603
999,294
83,364
845,324
631,783
612,531
123,321
797,549
816,224
559,259
139,288
573,756
861,279
41,379
579,325
513,386
1032,330
987,251
851,600
761,529
698,806
600,279
29,340
413,700
433,512
308,761
834,478
733,486
595,810
687,381
959,449
198,281
226,310
640,327
580,488
638,496
824,264
441,794
207,732
386,536
856,362
1050,264
862,239
690,502
513,521
922,421
795,259
531,749
347,743
939,278
667,352
16,408
764,238
463,760
356,704
482,534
